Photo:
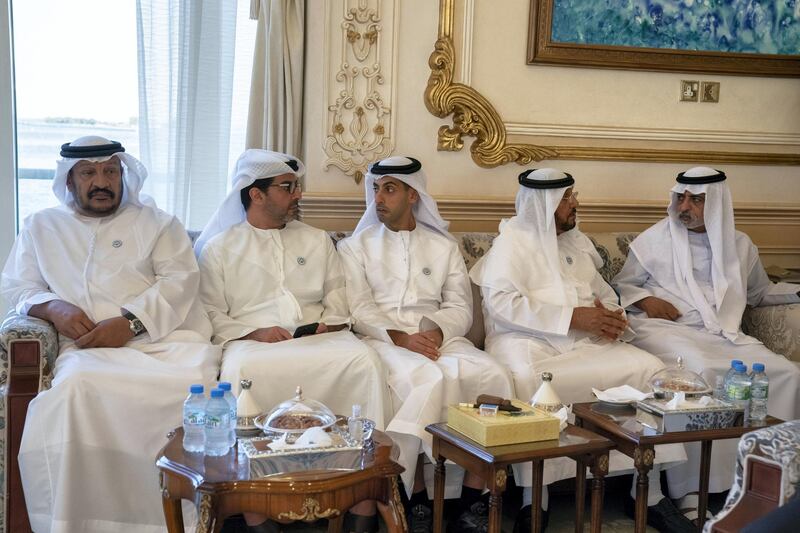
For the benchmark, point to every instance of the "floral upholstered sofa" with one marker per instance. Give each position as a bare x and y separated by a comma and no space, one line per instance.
28,349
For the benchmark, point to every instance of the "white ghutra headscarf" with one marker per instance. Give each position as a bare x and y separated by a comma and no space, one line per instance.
664,252
252,165
98,149
409,171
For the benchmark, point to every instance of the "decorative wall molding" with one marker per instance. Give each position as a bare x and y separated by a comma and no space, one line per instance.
474,116
651,134
360,124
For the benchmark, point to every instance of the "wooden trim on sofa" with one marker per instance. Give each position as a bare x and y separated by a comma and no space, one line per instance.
23,384
762,494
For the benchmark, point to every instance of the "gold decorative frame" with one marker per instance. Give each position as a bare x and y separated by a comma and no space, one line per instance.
542,49
473,115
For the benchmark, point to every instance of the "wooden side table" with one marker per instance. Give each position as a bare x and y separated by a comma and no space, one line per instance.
221,487
638,442
586,448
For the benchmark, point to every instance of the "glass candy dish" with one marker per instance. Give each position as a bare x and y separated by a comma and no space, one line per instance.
296,415
673,379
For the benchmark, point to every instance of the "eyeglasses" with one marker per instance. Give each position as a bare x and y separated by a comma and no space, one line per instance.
288,187
571,197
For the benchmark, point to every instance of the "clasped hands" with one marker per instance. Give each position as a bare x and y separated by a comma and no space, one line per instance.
70,321
426,343
599,320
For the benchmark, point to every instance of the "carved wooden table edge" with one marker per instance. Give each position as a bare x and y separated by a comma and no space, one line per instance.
305,496
491,464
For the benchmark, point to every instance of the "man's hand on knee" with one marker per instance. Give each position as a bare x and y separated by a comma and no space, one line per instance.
599,321
272,334
658,308
69,320
110,333
416,342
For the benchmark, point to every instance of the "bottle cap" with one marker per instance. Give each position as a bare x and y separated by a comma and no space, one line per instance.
217,393
224,385
758,367
736,362
356,410
741,368
196,389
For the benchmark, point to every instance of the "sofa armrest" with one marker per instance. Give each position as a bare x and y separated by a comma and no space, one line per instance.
29,348
777,326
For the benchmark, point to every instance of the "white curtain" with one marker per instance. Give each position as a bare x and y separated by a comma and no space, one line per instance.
276,93
186,58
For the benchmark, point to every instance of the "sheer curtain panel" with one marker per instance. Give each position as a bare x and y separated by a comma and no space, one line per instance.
186,59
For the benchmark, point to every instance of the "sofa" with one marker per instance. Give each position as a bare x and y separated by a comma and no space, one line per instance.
28,349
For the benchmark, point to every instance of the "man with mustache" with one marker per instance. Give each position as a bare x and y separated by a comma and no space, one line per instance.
265,274
117,278
548,309
410,296
686,283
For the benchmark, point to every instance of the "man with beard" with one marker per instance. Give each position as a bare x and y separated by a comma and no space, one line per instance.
117,278
410,296
685,284
265,278
548,309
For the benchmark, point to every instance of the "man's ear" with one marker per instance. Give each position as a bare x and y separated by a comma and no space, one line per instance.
256,195
69,180
413,195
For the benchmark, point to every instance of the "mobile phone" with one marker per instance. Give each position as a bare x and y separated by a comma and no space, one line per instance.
308,329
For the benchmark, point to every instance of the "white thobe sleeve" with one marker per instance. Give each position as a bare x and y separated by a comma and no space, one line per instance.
334,299
603,291
762,292
22,283
515,311
212,293
368,319
164,306
630,282
454,316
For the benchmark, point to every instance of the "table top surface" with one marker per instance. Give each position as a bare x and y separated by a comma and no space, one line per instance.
235,466
572,441
620,422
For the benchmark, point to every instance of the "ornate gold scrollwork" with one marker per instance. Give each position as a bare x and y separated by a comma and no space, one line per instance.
500,478
205,518
162,482
643,457
397,504
475,116
602,464
310,512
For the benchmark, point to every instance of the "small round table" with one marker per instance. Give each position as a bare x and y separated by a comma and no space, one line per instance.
223,486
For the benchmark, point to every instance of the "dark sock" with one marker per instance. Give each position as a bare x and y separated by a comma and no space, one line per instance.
420,498
468,497
361,523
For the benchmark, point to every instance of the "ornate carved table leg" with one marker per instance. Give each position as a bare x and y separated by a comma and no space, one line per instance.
496,487
705,470
205,514
599,471
392,512
643,457
438,494
580,492
173,514
536,502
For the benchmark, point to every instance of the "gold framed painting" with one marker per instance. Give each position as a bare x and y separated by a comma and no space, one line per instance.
733,37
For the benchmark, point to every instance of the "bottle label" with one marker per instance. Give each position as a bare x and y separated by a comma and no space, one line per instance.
738,392
214,421
194,419
759,392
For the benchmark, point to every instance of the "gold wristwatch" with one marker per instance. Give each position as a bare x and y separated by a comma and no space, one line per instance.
137,328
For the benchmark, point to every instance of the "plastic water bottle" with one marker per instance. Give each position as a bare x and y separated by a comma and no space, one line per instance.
355,425
218,422
759,393
194,420
231,399
739,389
731,371
719,388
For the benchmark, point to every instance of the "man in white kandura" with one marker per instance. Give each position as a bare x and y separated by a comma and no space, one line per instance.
548,309
410,296
685,284
117,278
268,278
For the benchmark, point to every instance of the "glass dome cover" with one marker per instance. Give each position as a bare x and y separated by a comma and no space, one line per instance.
296,415
673,379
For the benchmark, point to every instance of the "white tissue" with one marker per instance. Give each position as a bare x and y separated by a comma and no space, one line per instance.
563,415
623,393
315,437
679,401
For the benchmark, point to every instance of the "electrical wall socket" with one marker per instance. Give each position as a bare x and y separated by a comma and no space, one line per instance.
690,90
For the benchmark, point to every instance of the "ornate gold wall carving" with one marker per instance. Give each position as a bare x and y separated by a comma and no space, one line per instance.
474,116
359,118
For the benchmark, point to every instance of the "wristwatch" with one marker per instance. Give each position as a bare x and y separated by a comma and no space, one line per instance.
134,323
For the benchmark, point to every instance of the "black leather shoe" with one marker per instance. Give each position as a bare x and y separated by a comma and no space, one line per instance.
420,519
475,520
663,516
523,522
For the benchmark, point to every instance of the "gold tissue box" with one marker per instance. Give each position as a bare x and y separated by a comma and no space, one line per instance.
528,425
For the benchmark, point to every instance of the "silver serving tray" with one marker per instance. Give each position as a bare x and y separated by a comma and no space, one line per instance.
256,448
